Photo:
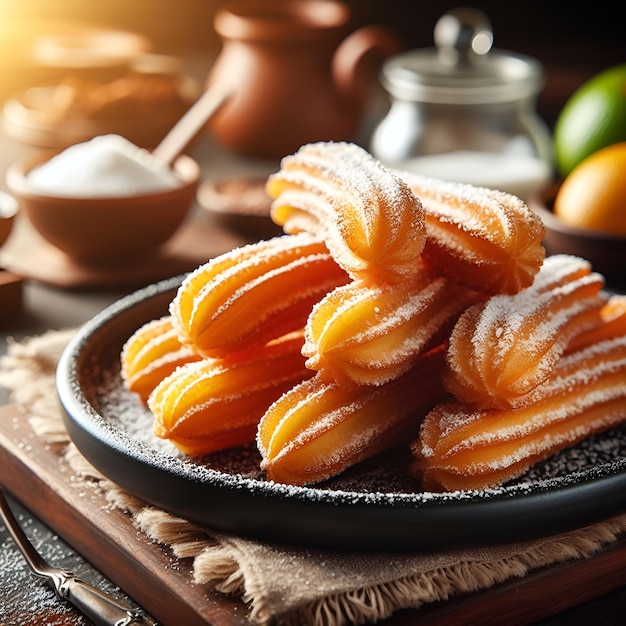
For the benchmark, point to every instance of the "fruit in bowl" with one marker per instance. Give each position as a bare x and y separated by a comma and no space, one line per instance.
593,118
585,215
594,194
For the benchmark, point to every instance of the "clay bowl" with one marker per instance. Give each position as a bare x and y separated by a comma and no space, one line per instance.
605,251
8,211
240,204
106,231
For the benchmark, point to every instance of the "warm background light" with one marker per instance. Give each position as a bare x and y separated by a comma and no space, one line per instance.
182,27
173,26
573,41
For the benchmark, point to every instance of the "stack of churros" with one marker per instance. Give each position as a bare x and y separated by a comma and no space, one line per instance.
396,310
464,447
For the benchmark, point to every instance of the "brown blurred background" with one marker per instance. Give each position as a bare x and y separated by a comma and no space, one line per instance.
573,40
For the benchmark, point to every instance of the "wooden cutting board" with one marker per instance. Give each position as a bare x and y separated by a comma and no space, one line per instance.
35,473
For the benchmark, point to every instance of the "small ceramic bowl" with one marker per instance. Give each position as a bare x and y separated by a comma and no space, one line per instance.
605,251
105,231
240,204
8,211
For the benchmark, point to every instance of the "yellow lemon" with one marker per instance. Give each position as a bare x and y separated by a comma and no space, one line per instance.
593,117
594,194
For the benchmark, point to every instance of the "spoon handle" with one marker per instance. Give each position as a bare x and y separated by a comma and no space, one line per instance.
102,609
189,124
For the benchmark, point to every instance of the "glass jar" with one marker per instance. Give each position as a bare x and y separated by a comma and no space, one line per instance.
466,112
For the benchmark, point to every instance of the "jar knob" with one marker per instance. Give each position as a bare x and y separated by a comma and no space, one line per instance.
462,36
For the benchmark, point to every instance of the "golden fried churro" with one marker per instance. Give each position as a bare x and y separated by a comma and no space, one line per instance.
321,427
369,334
488,240
502,348
612,324
462,447
151,353
372,223
215,404
253,294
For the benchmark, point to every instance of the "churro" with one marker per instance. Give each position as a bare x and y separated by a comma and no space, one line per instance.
253,294
150,354
486,239
371,221
369,334
463,447
215,404
612,324
320,427
502,348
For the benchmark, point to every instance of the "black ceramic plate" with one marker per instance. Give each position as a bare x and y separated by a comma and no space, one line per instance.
373,506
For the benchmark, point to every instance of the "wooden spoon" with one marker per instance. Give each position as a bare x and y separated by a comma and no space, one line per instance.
172,145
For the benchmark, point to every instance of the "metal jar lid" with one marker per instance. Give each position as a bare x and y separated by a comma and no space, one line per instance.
462,68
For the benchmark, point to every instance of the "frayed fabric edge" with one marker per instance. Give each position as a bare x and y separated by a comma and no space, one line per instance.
368,605
28,371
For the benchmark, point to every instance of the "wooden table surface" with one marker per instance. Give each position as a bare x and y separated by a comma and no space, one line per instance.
79,512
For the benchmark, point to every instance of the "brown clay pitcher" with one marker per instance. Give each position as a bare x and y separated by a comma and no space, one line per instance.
294,74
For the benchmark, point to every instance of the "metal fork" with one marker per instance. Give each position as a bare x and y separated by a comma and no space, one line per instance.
99,607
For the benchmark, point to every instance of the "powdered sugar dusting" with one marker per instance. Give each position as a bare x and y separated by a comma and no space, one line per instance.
487,239
502,348
444,196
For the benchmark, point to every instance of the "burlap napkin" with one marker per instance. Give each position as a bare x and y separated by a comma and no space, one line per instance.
314,587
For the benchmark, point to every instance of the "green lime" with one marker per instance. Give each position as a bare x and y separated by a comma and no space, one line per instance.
593,117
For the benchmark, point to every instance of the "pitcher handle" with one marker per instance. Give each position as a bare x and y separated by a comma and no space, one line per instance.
359,56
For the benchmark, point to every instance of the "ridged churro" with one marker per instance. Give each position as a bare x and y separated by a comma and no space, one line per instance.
612,324
252,294
371,221
320,427
369,334
462,447
215,404
502,348
488,240
151,353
